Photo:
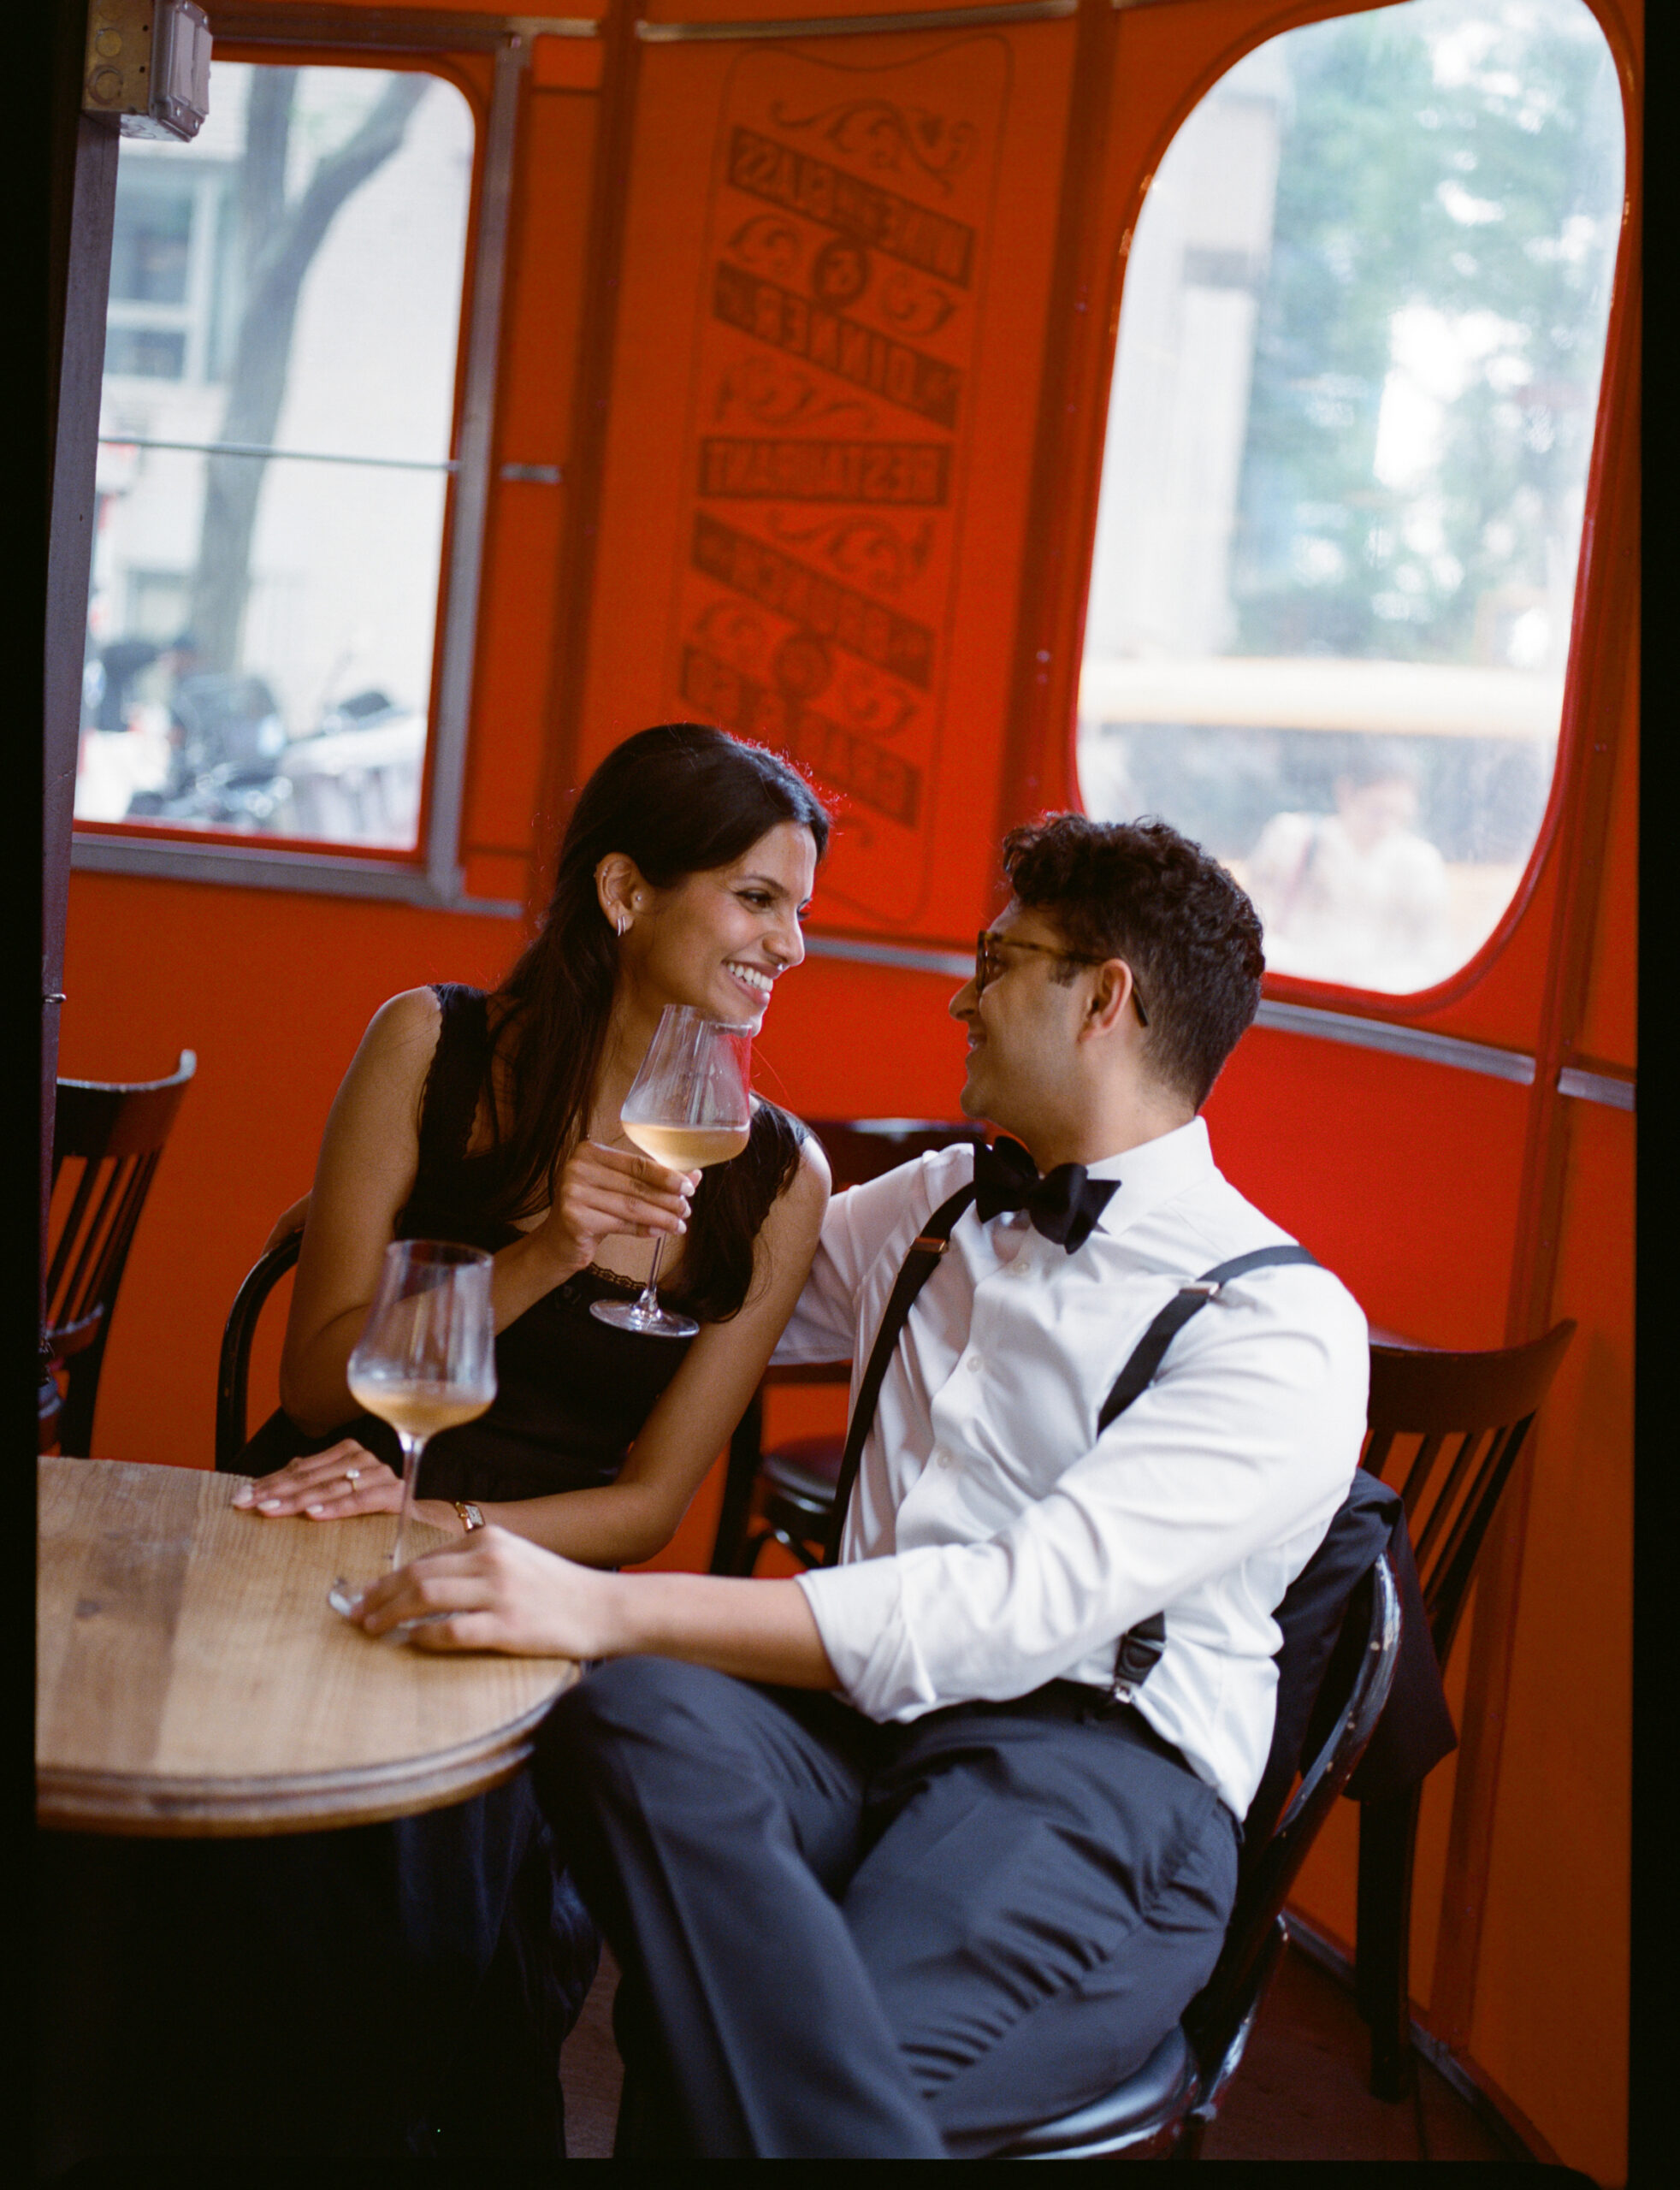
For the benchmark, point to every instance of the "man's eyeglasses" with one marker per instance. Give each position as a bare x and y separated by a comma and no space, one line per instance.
988,964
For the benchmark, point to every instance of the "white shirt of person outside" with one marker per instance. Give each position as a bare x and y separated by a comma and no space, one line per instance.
1356,896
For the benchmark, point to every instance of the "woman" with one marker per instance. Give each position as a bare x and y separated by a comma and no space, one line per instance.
685,872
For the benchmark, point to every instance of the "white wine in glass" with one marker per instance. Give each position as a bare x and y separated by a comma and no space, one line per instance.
426,1360
688,1106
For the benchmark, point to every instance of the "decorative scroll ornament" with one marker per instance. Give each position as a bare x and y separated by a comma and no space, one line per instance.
864,700
768,246
913,305
886,135
735,635
775,394
864,548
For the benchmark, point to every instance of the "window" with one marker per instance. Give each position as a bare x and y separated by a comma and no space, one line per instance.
1354,392
275,459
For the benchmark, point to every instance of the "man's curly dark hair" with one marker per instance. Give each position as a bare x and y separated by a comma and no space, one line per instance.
1140,891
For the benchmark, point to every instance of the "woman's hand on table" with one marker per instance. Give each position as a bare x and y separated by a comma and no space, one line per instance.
498,1592
336,1485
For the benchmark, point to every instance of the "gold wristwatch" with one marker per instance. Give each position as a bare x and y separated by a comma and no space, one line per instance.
471,1519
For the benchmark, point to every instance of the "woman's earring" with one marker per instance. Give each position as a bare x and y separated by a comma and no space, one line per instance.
622,924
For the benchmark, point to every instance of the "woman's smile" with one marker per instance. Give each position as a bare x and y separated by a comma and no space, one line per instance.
755,978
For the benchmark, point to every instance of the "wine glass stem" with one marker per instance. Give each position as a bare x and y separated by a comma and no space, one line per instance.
648,1302
412,1447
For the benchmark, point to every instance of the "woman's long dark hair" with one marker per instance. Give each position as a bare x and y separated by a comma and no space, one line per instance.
678,799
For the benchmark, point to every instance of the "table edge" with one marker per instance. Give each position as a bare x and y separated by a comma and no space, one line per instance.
71,1799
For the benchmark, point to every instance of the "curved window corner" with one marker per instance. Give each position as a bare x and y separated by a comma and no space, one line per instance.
276,464
1344,482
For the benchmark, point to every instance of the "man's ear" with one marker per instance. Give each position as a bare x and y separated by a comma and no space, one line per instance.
1110,1001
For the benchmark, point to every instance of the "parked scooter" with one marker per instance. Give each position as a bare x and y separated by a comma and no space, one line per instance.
227,738
232,766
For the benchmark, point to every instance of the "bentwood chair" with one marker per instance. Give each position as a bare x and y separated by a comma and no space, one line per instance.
110,1137
1341,1625
1446,1430
233,1375
792,1484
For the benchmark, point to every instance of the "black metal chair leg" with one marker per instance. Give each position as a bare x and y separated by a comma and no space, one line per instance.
1387,1841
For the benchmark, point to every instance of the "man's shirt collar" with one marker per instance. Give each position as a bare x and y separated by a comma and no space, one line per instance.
1152,1173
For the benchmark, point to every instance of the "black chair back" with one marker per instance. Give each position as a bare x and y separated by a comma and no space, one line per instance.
1336,1668
233,1375
115,1135
1445,1429
797,1479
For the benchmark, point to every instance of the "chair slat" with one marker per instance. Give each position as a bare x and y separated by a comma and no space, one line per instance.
1465,1484
1379,1444
109,1232
1457,1562
1417,1474
71,1235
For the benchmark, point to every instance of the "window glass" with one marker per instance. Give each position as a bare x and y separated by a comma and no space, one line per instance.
1360,344
274,459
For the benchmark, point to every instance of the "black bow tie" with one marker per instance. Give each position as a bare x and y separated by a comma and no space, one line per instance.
1062,1206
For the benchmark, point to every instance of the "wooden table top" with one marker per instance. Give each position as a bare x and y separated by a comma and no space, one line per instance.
192,1679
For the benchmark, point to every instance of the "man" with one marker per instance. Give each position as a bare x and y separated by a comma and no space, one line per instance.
974,1889
1358,896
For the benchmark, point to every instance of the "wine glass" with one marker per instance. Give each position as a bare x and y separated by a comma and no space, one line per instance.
425,1361
688,1106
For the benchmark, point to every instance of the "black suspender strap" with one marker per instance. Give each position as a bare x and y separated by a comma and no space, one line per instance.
1195,1293
919,1266
1139,1648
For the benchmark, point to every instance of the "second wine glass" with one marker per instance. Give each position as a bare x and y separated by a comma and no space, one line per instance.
690,1105
426,1360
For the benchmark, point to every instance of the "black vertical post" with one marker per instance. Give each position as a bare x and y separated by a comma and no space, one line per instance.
83,199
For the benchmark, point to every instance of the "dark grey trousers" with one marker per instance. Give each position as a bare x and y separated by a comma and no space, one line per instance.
843,1939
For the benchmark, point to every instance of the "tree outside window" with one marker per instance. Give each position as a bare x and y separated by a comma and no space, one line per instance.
1360,341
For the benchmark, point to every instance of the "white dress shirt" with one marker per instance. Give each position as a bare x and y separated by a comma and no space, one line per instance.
994,1541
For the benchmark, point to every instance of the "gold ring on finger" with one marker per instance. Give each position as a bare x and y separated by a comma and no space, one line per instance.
352,1475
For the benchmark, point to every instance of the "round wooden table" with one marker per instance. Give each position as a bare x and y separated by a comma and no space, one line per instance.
193,1681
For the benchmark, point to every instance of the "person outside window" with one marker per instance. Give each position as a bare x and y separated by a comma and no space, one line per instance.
1356,896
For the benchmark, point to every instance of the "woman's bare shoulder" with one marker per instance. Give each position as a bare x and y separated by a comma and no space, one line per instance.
410,1015
813,1175
395,1054
403,1032
805,1196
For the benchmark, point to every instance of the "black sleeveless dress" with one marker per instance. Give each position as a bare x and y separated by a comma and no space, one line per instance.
572,1393
405,1988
